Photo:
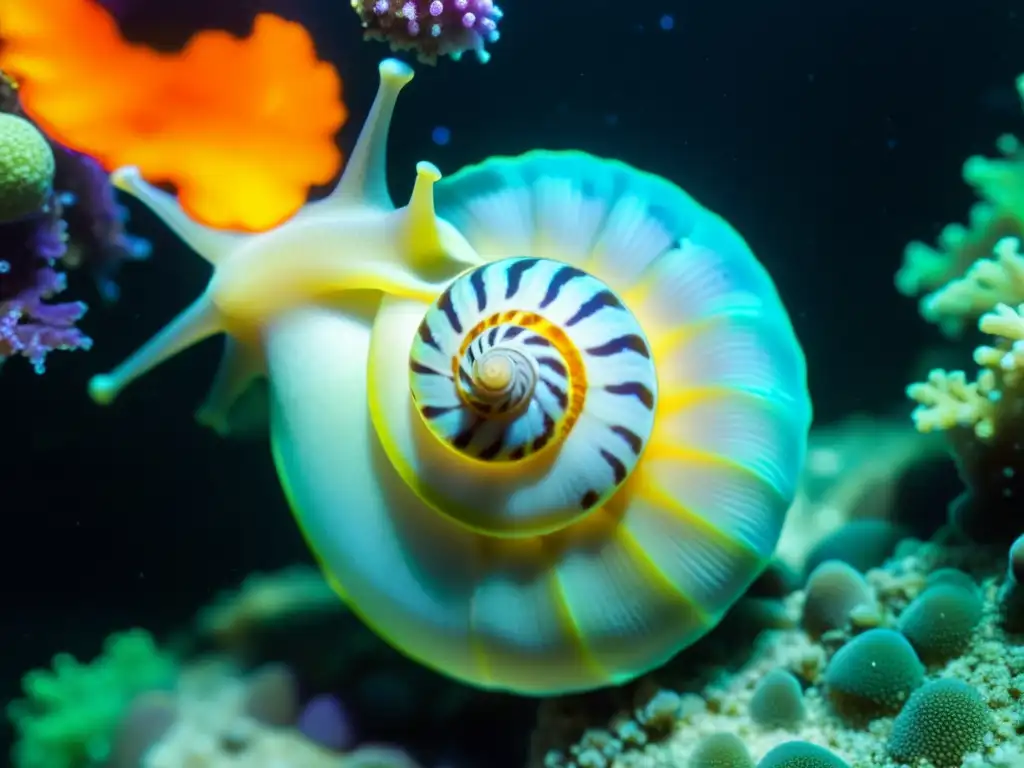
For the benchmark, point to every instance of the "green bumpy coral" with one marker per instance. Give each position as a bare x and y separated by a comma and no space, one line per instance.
721,750
833,590
873,675
70,713
953,577
939,623
778,701
26,168
943,721
801,754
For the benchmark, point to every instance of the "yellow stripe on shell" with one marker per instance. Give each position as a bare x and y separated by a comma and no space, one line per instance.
607,524
651,491
576,371
543,554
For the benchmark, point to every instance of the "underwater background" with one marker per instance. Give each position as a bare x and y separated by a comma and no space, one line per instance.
829,135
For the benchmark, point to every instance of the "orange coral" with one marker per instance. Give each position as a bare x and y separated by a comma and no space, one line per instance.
241,127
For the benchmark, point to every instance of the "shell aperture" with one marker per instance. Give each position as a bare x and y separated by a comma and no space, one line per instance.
574,369
486,567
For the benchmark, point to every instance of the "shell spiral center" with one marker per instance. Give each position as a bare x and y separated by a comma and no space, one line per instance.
526,357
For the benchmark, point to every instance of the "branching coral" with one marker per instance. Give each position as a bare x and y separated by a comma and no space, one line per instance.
31,242
97,240
69,714
984,420
65,215
958,276
977,274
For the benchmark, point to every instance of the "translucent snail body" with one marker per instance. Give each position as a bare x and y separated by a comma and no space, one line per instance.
541,427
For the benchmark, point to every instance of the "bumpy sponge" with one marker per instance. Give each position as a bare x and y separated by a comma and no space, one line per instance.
873,674
778,701
943,721
940,622
26,168
953,576
721,750
69,715
801,754
833,590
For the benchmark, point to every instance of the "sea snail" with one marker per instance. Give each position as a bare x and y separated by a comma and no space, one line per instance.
540,427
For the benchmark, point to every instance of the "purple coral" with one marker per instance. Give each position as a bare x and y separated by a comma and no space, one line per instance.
95,221
82,212
432,28
29,325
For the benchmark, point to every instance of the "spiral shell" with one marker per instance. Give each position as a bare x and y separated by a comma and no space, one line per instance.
525,357
577,454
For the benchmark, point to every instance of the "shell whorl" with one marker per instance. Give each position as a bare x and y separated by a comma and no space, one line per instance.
490,570
524,357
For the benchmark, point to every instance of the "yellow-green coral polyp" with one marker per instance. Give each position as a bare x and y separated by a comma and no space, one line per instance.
26,168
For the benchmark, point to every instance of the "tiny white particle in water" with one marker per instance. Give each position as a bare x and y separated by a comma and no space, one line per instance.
441,135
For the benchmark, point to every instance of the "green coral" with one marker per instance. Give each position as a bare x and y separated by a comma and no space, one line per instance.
70,713
834,589
976,276
801,754
721,750
778,701
873,674
26,168
953,576
943,721
940,622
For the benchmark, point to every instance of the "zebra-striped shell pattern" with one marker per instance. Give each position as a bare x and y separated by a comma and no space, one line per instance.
524,358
